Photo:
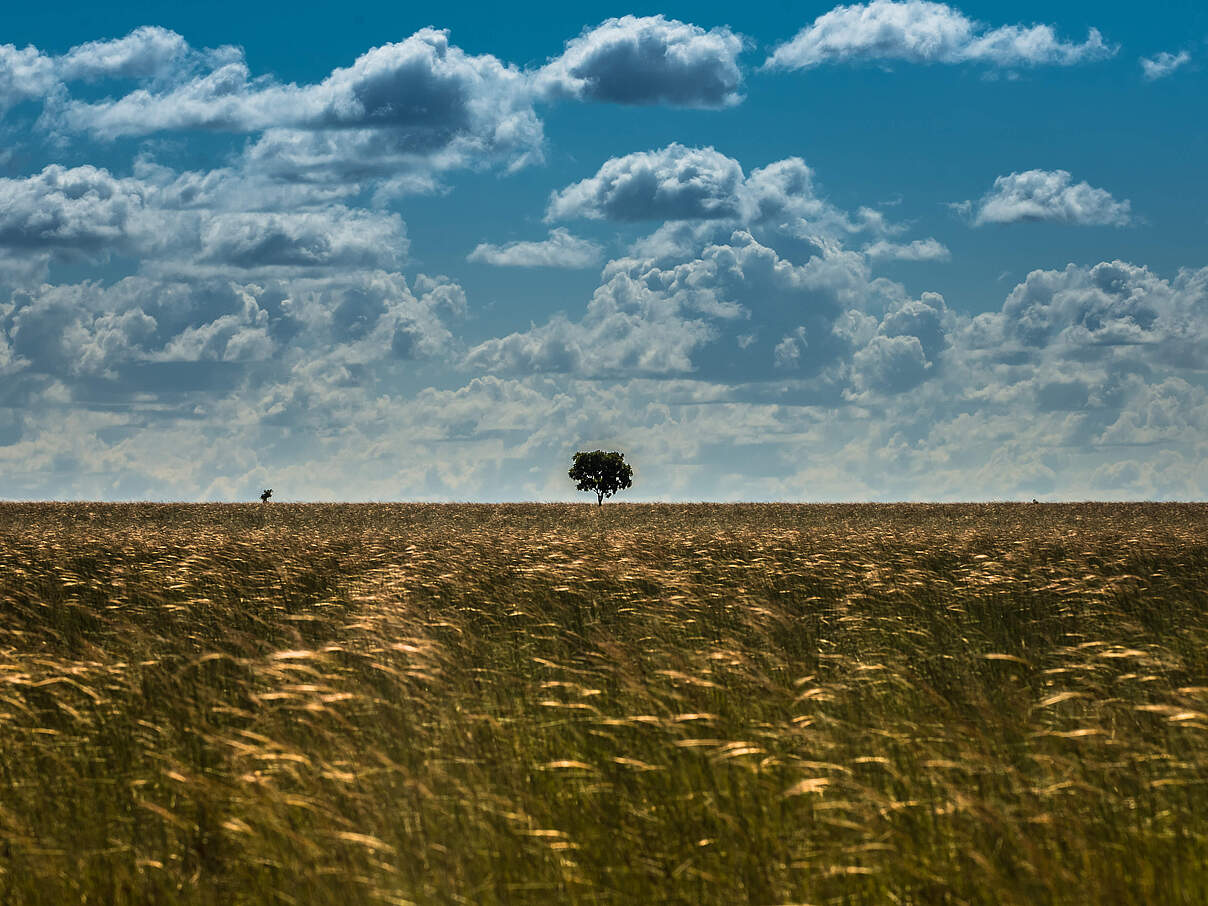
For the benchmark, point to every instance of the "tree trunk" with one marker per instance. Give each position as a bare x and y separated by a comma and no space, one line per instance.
599,498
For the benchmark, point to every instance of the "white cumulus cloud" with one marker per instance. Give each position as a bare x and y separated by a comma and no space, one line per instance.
696,316
673,183
81,208
919,250
648,60
25,73
332,237
918,31
561,249
1050,196
185,222
420,103
678,183
147,53
1110,310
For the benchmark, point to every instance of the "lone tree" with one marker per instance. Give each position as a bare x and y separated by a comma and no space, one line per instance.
265,495
604,473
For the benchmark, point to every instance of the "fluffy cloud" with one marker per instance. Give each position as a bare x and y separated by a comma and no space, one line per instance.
608,342
561,249
678,183
252,327
724,313
934,406
674,183
178,222
121,331
1049,195
25,73
647,60
787,353
1039,397
81,208
1112,311
147,53
899,353
423,84
372,316
636,323
334,237
85,329
420,103
917,31
890,364
1163,64
711,294
918,250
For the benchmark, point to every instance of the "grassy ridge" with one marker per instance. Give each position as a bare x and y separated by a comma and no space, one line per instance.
560,704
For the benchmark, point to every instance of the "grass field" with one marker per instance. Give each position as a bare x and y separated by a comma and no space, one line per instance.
212,704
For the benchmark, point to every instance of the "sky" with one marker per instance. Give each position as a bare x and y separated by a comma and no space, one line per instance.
896,250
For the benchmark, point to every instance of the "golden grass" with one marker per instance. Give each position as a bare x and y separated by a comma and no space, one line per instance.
999,704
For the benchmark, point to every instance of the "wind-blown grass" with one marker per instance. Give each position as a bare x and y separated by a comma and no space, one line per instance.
1001,704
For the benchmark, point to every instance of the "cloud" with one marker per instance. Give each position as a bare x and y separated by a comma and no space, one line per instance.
781,189
561,249
422,102
890,364
1018,416
747,280
637,323
894,354
372,316
147,53
177,222
25,73
1049,196
674,183
722,312
916,31
787,353
232,188
1163,64
647,60
243,335
926,319
251,323
608,342
126,331
423,84
918,250
678,183
85,329
1108,311
80,208
334,237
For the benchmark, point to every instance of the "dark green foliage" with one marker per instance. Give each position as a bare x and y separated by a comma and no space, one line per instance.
604,473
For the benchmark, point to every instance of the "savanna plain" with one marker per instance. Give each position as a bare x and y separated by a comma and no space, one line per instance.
569,704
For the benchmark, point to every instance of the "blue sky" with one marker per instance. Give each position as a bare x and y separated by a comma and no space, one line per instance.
894,250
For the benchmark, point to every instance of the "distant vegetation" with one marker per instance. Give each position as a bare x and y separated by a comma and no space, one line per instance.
602,473
661,704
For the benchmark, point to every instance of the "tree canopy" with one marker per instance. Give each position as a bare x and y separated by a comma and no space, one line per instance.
604,473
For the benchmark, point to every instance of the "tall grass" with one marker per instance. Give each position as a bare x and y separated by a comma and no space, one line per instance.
1001,704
